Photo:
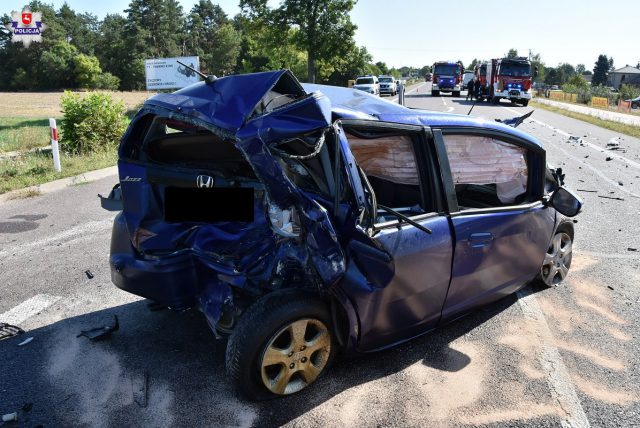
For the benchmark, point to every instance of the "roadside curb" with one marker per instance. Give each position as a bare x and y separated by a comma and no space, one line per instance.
56,185
600,114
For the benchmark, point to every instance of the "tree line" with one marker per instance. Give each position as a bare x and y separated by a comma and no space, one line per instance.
313,38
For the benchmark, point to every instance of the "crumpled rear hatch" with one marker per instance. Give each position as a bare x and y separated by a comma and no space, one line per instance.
198,178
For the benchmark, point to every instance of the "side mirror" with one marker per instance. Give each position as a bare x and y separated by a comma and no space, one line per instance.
566,202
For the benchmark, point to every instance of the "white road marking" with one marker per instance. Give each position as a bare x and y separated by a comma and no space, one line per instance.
443,100
65,236
28,308
557,376
591,145
450,109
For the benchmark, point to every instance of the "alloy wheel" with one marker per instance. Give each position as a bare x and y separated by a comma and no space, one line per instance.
557,260
295,356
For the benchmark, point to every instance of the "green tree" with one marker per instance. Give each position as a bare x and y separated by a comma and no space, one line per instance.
600,71
580,69
537,64
154,29
86,71
81,30
354,63
56,66
224,55
211,36
566,71
579,82
513,53
628,92
112,50
324,29
382,67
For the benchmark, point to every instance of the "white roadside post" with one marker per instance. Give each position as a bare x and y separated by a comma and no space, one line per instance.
54,145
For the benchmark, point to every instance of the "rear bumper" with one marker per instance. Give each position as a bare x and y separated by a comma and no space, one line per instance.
169,280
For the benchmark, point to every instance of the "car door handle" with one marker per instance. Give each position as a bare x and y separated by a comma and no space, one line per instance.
477,240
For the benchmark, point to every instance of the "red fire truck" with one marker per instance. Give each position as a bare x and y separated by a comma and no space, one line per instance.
508,78
480,74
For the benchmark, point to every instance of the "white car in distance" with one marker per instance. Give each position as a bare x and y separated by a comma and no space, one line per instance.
369,84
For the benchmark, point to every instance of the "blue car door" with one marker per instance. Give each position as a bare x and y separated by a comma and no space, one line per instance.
502,229
399,272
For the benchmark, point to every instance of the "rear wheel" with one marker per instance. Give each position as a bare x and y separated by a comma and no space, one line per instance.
456,93
435,93
557,260
281,345
525,103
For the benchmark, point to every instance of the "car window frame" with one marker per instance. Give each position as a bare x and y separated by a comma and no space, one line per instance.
536,161
427,163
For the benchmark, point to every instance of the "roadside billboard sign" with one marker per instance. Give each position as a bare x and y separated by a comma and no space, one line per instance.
166,73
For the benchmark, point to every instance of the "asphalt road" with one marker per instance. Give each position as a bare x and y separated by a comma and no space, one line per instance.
543,357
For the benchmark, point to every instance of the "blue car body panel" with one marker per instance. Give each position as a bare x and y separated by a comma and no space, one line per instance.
391,287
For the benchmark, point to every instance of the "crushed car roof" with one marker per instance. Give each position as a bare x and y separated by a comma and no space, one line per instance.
230,102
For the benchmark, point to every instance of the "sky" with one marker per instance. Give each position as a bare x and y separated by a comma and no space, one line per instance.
419,32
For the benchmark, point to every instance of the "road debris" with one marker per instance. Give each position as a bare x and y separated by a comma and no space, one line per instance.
8,330
620,183
139,387
89,274
27,340
632,249
589,191
609,158
10,417
100,333
611,197
574,139
609,287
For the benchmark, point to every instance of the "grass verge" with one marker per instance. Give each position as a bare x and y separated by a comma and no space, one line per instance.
37,168
21,133
633,131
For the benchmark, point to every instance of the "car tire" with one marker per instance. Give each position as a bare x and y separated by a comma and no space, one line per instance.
557,259
456,93
266,333
525,103
435,93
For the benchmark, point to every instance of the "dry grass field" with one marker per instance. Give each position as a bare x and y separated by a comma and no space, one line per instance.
47,104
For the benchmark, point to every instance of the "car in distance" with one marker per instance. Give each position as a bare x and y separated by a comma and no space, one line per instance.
466,78
307,220
388,85
368,84
634,102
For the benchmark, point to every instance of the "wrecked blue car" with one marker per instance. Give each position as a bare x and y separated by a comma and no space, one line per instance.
308,220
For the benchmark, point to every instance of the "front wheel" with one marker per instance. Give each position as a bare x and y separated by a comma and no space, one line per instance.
456,93
281,345
525,103
557,260
435,93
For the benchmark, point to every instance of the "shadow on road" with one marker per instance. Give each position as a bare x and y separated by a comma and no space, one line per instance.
73,381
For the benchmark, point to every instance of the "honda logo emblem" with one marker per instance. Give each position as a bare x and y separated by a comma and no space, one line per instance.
205,182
